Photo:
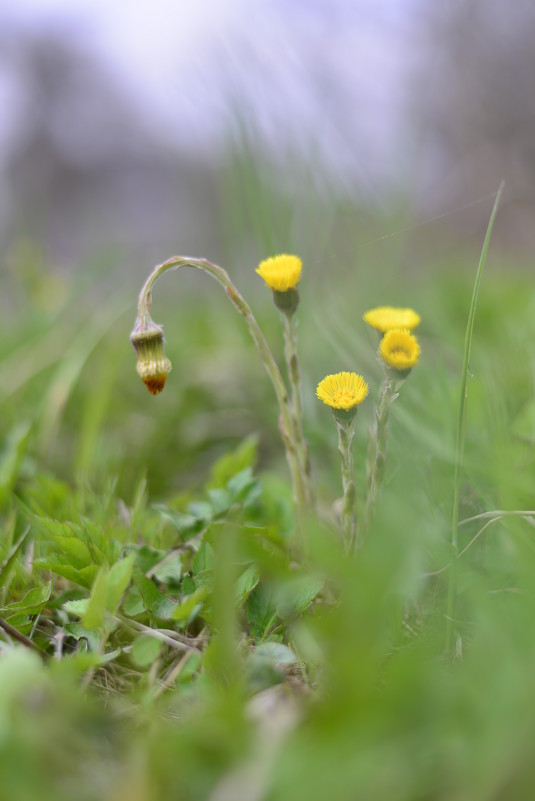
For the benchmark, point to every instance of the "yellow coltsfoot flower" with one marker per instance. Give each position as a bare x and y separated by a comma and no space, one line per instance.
399,349
342,391
282,272
384,318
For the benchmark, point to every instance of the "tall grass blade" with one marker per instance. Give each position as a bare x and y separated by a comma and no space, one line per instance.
461,422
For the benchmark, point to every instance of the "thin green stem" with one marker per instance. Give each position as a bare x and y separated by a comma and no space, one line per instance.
289,327
346,433
461,425
286,422
377,447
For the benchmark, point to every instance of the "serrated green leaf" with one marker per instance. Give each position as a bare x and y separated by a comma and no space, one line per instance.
59,564
79,553
87,575
145,650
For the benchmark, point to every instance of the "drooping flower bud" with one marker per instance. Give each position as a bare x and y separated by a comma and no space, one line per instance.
153,366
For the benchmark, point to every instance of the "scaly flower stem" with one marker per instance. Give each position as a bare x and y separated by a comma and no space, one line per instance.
287,423
375,469
346,432
289,327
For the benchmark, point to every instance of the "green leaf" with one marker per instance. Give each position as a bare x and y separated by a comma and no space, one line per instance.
260,611
96,609
246,583
296,595
276,652
77,607
59,564
244,487
145,650
133,603
153,600
187,525
204,559
118,581
170,571
202,510
80,632
220,500
192,604
245,455
33,601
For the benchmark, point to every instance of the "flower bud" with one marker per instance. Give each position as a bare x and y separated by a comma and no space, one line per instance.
153,366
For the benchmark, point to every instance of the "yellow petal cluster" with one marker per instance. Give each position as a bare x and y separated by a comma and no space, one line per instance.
342,390
282,272
399,349
384,318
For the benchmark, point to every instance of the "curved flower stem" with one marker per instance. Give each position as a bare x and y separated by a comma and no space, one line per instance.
286,424
375,468
289,327
346,432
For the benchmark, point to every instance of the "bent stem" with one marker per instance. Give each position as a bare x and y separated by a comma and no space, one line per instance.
461,427
346,433
289,327
287,424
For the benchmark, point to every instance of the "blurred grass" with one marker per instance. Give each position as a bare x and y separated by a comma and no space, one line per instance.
375,710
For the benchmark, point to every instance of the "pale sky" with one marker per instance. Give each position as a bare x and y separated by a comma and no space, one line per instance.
328,72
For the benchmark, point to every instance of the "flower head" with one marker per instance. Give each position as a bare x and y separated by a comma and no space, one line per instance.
153,366
342,390
399,349
384,318
281,273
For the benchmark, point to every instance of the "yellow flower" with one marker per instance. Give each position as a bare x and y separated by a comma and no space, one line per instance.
399,349
281,273
384,318
342,390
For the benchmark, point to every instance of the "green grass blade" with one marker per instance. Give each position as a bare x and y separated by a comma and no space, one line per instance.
461,418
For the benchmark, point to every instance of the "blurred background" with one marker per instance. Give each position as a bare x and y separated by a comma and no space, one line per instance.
118,127
368,136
